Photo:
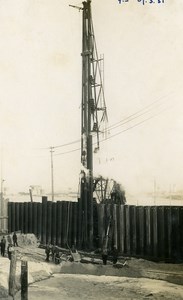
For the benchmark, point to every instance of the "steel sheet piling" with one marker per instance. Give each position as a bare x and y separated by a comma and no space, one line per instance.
148,251
44,219
155,231
21,217
80,221
9,217
35,218
49,222
59,223
39,221
17,224
181,233
141,229
127,229
69,223
25,217
122,229
115,231
75,227
64,223
161,231
30,229
54,223
13,217
175,233
101,227
133,235
168,229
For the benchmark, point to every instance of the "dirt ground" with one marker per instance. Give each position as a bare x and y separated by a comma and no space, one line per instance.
82,287
137,279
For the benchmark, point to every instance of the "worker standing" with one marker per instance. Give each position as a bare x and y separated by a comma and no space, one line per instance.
104,256
115,255
47,251
3,246
15,239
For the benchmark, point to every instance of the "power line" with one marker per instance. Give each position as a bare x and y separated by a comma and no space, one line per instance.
124,121
120,132
132,117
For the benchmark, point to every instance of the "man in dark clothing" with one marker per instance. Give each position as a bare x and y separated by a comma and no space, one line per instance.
115,256
47,251
104,256
3,245
15,239
10,249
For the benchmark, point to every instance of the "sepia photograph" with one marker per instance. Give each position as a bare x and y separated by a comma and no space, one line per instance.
91,145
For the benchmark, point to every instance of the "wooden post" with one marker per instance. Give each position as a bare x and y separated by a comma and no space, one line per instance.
24,280
12,283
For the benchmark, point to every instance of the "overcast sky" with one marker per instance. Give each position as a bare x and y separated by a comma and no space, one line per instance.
40,92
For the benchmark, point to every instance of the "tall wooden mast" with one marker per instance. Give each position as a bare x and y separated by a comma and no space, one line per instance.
93,114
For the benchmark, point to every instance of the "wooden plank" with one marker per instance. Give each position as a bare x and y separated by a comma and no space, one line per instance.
24,280
12,273
108,218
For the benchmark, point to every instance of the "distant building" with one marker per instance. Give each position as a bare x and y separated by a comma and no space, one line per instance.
36,190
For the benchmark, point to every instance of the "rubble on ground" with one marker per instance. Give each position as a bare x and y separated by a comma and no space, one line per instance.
38,269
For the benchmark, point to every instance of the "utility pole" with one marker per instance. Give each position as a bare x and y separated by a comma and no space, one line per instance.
2,205
52,176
